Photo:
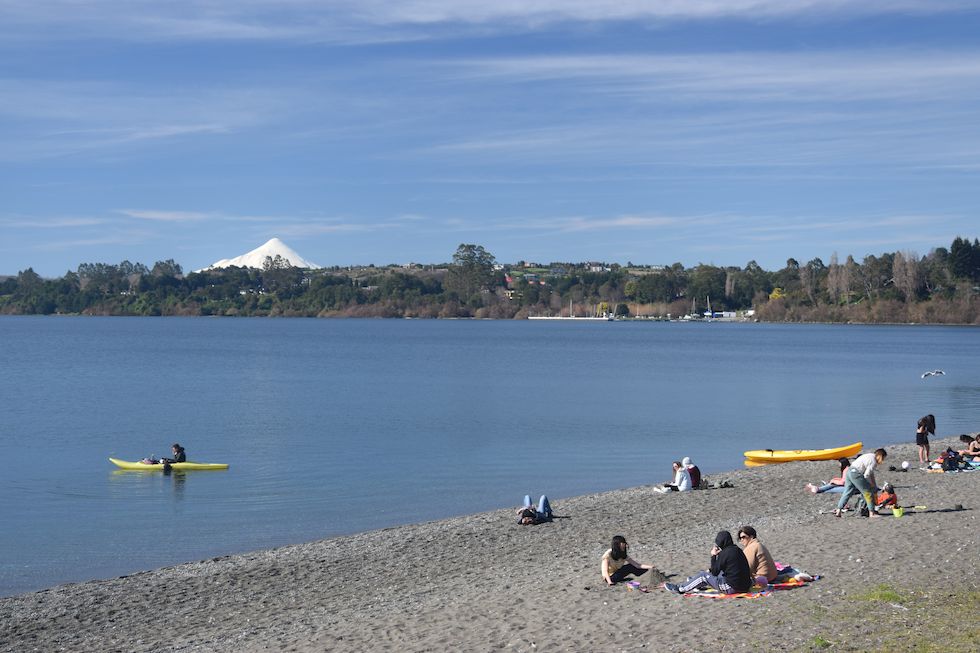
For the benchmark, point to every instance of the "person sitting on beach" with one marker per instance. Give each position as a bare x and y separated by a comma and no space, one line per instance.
179,455
617,564
972,450
887,497
693,470
762,567
729,571
835,484
528,515
682,480
860,479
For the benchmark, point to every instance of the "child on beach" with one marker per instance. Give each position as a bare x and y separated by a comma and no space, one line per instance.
834,484
887,497
617,564
925,428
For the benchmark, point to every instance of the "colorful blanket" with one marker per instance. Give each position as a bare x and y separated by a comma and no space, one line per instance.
788,578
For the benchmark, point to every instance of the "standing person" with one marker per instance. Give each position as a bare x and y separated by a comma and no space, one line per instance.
682,480
925,428
693,470
761,565
180,456
617,564
860,479
729,572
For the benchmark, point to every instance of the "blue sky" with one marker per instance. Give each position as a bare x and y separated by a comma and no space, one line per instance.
698,131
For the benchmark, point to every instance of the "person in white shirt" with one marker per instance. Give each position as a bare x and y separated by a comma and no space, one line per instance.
860,479
682,480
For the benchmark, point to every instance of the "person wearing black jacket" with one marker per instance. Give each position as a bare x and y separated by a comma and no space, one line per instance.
729,571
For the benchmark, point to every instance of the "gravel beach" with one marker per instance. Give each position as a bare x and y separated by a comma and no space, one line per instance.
483,583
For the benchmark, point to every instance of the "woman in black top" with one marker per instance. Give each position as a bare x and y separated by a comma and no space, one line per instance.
925,428
729,571
179,455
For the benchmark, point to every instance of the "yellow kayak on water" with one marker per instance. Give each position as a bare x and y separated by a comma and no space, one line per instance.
159,467
767,456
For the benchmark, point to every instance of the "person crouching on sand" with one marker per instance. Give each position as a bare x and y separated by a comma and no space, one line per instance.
729,572
617,564
860,479
762,568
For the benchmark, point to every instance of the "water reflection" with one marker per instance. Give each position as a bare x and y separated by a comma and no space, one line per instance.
175,478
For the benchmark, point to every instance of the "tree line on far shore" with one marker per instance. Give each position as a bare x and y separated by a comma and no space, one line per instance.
942,287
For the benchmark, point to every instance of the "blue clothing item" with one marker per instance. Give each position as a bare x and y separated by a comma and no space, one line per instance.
543,509
829,487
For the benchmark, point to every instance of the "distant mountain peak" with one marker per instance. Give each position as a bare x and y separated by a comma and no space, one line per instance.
255,259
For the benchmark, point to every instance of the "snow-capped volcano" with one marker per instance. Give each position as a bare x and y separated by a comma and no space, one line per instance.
257,256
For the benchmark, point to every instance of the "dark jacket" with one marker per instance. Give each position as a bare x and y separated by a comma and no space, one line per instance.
731,563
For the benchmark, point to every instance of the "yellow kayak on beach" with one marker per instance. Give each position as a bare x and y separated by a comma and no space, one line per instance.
768,456
159,467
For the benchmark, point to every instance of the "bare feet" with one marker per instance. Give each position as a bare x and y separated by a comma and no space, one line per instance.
811,488
837,512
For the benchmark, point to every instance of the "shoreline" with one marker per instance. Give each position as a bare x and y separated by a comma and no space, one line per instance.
481,582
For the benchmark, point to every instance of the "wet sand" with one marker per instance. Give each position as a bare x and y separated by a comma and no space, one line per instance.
482,583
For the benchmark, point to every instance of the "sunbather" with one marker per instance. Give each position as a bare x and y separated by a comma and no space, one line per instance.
972,450
729,571
833,485
528,515
617,564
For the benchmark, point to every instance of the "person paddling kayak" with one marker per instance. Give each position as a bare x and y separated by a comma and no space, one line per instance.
179,455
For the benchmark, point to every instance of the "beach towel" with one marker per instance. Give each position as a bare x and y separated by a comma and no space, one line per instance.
789,578
715,594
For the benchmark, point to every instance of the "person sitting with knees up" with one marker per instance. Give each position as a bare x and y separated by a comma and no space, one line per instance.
729,571
528,515
762,568
617,564
682,480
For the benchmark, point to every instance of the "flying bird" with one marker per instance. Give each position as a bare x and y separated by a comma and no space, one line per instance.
934,373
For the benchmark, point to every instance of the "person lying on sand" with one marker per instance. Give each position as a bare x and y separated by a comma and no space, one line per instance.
860,479
682,480
528,515
617,564
833,485
728,572
762,567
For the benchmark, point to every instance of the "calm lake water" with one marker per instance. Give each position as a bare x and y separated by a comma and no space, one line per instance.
339,426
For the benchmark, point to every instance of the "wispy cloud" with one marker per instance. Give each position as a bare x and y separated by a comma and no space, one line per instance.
357,21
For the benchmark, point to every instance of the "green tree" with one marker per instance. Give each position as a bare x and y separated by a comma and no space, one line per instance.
470,274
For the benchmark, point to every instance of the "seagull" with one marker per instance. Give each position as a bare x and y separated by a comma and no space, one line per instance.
934,373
